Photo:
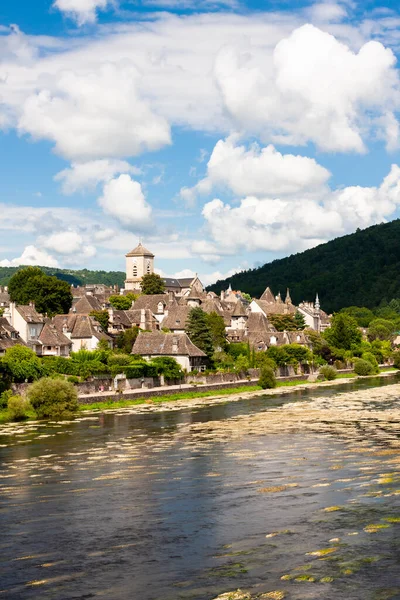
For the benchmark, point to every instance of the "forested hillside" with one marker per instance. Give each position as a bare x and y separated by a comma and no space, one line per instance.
81,277
358,269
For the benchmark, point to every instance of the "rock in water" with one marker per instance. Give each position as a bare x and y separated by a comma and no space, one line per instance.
238,595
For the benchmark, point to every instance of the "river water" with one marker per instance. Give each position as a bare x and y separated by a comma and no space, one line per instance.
128,506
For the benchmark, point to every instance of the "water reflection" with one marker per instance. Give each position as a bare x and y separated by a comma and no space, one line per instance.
128,506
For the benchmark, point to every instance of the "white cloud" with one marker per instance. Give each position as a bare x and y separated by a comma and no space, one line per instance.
191,4
123,199
87,175
31,256
68,243
94,113
311,88
295,224
259,171
82,11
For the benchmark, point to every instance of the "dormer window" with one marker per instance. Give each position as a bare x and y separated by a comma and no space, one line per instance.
160,307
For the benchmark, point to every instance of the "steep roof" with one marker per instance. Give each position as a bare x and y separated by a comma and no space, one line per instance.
268,296
152,302
86,305
277,308
177,317
258,322
80,326
51,336
30,314
140,250
239,311
165,344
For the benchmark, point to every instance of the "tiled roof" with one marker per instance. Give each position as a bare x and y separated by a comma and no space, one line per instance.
86,305
268,296
29,314
153,301
278,308
240,310
177,317
50,336
140,250
165,344
80,326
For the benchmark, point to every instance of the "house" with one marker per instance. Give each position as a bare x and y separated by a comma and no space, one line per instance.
314,317
183,286
86,304
28,322
82,330
178,346
121,320
53,342
270,305
9,336
158,304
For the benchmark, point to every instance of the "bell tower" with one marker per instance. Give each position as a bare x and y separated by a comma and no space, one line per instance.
139,262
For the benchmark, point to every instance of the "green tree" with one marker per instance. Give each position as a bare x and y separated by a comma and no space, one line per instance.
122,302
18,408
343,333
101,317
217,327
152,284
53,398
22,364
50,295
284,322
125,340
199,331
298,354
242,364
380,329
300,320
168,366
267,378
362,315
279,355
247,297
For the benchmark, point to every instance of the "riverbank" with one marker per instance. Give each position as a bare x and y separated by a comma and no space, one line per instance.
193,399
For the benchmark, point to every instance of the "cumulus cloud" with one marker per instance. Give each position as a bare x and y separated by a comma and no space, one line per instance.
256,171
311,87
82,11
124,200
94,114
68,243
296,224
87,175
31,256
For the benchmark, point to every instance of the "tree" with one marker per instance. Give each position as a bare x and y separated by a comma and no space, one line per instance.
343,333
297,353
267,378
53,398
101,317
152,284
22,364
362,315
217,327
199,331
284,322
122,302
50,295
247,297
380,329
125,340
168,366
300,320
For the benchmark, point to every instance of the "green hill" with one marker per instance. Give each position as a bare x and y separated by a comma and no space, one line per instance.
359,269
81,277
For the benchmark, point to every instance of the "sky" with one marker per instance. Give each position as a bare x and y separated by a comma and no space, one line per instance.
223,134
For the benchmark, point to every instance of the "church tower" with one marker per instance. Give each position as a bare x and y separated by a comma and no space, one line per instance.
139,262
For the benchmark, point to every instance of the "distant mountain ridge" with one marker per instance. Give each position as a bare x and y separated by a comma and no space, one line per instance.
74,277
358,269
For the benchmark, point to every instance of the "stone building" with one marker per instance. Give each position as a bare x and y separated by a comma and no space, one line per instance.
178,346
139,262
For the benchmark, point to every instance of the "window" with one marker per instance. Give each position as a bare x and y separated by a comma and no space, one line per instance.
160,307
273,340
148,267
134,269
33,332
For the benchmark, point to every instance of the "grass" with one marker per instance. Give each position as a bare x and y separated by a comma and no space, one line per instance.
170,398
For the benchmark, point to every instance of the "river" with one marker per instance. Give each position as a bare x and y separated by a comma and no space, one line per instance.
295,495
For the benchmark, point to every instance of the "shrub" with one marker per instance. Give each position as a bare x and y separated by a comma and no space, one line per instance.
53,398
363,367
73,379
328,372
4,398
18,408
23,363
396,360
168,366
371,358
267,378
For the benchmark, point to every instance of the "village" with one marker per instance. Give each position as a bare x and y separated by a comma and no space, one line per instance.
161,318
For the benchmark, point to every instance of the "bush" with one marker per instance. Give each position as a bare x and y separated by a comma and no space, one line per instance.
363,367
53,398
328,372
267,378
371,358
73,379
168,366
22,363
396,360
4,398
18,408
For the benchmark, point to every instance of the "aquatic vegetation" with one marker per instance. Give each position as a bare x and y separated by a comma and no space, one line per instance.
374,528
326,580
237,595
322,552
276,595
332,508
277,488
276,533
305,578
392,519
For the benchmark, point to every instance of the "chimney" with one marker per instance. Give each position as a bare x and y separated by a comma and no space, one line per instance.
143,318
171,296
222,296
175,345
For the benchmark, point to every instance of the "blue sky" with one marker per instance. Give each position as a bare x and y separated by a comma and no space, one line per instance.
224,134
